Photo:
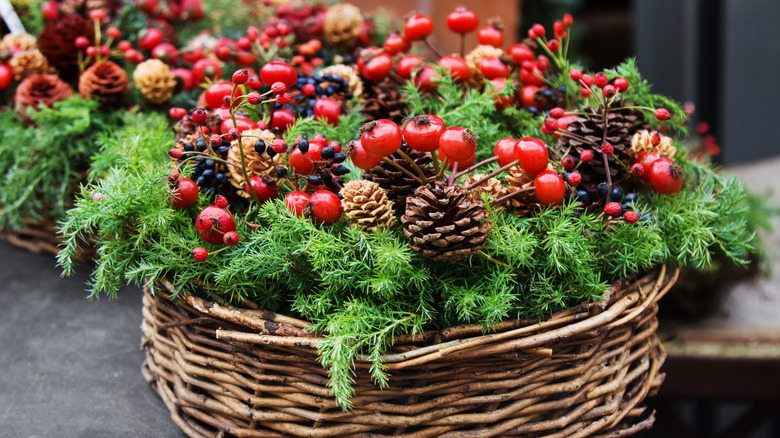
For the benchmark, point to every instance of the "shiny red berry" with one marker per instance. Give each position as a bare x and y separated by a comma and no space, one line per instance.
638,169
221,202
490,36
422,132
493,68
600,79
206,68
568,20
381,137
378,67
278,72
51,10
361,158
532,153
417,27
213,222
184,192
325,207
395,43
457,143
521,52
406,65
177,113
240,76
666,176
296,201
621,84
462,20
538,30
550,188
505,151
557,113
328,109
199,254
215,94
148,38
230,238
568,162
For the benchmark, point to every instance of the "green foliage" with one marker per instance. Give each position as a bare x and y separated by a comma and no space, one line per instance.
41,166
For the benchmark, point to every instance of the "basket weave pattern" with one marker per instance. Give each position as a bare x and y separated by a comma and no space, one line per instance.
251,373
36,237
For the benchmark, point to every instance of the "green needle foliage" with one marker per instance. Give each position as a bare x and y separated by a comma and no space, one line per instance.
361,290
42,165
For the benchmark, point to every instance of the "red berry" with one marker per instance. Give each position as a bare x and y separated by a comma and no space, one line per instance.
493,68
553,45
418,27
666,176
51,10
585,92
568,20
97,15
92,52
538,30
530,96
230,238
325,207
296,201
559,28
328,109
621,84
213,222
378,67
521,52
284,99
662,114
461,164
81,42
255,83
630,217
175,153
490,36
303,163
221,202
123,45
184,192
501,101
647,159
532,75
278,72
206,68
550,188
199,254
308,89
254,98
609,91
425,79
459,144
361,158
655,140
240,76
406,65
462,20
505,151
587,79
587,156
568,162
607,148
192,55
200,117
185,77
638,169
613,209
177,113
575,75
600,79
381,137
215,140
282,120
532,153
233,132
422,133
242,124
279,87
264,191
166,53
395,43
149,38
575,179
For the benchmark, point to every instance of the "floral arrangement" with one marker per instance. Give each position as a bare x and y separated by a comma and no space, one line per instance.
381,194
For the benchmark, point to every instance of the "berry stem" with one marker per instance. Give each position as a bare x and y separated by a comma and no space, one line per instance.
443,166
402,169
462,45
436,163
513,194
241,148
433,48
414,165
478,165
451,179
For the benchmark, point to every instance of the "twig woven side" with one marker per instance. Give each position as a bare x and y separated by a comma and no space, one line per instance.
36,237
251,373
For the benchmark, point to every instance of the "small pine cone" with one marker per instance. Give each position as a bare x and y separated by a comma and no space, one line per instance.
342,25
27,63
383,100
15,42
524,204
256,164
641,142
40,89
475,57
350,74
444,224
366,205
398,184
621,126
492,187
204,40
155,80
72,6
106,82
57,42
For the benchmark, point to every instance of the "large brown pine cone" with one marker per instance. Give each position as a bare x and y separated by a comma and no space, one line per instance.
40,89
57,42
106,82
444,224
399,184
155,80
366,205
383,100
342,25
589,132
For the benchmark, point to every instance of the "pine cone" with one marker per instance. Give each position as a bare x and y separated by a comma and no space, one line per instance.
492,187
398,184
350,74
590,132
444,224
256,164
27,63
383,100
342,25
57,42
155,80
106,82
524,203
40,89
15,42
641,142
366,205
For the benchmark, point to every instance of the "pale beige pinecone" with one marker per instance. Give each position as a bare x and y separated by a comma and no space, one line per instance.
475,57
366,205
155,80
524,204
28,63
641,142
444,223
17,41
342,25
256,164
350,74
492,187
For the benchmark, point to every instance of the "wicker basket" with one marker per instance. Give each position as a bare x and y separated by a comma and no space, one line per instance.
36,237
252,373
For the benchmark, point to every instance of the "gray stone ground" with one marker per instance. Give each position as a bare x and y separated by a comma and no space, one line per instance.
71,368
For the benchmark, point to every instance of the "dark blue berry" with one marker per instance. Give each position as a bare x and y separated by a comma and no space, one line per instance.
601,190
303,145
210,191
271,152
208,174
314,180
340,169
199,161
338,157
327,152
533,109
260,146
188,147
617,194
221,177
566,177
583,196
200,143
631,198
647,217
326,176
201,181
281,172
223,151
209,163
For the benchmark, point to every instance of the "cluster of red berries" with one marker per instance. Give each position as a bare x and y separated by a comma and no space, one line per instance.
532,155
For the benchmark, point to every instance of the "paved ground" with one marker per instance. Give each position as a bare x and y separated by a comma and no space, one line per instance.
71,368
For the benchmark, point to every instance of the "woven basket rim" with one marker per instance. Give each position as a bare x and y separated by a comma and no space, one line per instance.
37,236
281,330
